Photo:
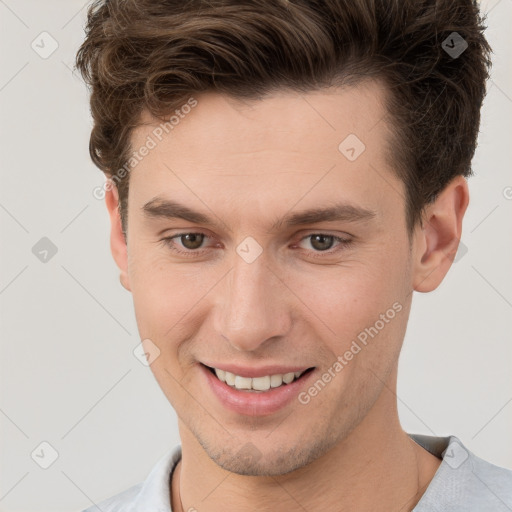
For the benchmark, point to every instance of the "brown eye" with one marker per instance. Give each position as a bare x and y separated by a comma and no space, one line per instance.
191,240
322,242
320,245
186,244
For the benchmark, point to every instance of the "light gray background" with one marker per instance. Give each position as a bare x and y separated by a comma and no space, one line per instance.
68,374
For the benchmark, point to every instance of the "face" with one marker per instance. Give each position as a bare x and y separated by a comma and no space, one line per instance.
254,286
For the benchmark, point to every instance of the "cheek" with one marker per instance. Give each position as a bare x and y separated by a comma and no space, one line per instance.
355,292
363,301
157,293
169,298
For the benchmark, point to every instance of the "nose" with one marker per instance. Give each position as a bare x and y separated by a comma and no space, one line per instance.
253,306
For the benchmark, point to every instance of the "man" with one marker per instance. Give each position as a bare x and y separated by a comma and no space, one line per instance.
283,175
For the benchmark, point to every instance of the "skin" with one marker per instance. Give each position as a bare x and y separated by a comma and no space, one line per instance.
247,165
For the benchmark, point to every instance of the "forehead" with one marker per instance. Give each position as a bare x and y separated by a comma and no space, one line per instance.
322,146
284,119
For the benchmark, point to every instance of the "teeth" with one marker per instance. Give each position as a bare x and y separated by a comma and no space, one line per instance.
276,381
230,378
261,383
221,374
243,382
288,377
256,383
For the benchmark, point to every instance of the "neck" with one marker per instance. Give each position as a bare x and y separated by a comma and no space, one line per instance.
377,466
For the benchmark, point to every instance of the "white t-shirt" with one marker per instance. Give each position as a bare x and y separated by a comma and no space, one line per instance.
463,482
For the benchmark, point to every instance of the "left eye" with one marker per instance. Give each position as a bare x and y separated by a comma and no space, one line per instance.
192,242
322,242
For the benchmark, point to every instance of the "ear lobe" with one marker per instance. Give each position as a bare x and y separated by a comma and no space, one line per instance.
436,243
118,245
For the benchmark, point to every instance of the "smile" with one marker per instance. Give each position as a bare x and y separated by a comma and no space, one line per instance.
256,383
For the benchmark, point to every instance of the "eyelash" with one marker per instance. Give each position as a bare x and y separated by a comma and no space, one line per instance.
169,243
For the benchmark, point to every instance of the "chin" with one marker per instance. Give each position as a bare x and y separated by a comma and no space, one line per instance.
255,459
266,467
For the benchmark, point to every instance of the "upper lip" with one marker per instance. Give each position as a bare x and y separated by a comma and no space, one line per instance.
261,371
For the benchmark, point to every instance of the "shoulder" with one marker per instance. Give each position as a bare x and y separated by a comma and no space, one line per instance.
464,481
122,502
151,494
491,479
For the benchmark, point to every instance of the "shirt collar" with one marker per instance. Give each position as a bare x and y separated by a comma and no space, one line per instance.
155,492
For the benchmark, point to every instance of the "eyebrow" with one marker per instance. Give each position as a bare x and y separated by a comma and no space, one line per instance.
159,207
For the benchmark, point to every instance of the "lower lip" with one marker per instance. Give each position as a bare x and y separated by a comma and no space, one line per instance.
255,403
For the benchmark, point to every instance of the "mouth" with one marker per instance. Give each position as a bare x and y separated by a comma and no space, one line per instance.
259,384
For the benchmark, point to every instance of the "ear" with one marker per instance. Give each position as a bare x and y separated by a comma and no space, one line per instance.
117,240
437,238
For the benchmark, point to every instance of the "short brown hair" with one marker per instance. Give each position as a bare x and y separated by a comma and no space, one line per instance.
154,54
